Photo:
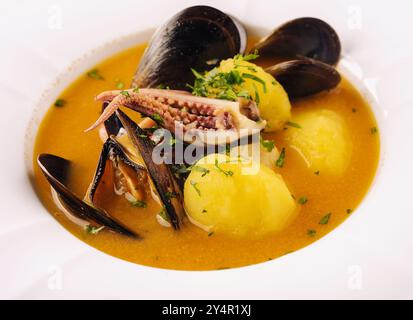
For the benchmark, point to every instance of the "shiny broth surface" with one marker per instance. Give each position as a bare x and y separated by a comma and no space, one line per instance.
62,133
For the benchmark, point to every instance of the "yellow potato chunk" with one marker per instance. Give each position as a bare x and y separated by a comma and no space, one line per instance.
219,198
270,96
323,140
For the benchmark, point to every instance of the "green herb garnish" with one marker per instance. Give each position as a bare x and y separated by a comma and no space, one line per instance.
156,117
94,74
257,95
268,144
303,200
374,130
349,211
195,186
255,78
172,142
125,94
171,195
211,234
293,125
227,173
60,103
248,57
219,85
281,160
93,230
120,85
139,204
311,233
164,215
325,220
202,170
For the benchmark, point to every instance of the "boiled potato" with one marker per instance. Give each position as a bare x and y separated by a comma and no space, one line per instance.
270,96
323,140
221,199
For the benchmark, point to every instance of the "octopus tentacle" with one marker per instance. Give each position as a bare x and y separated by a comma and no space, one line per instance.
171,108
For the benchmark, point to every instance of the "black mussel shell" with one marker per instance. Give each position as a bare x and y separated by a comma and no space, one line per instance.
302,38
112,147
56,170
302,78
197,38
160,174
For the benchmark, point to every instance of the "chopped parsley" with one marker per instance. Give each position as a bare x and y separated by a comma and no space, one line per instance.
195,186
156,117
164,215
325,220
211,234
311,233
125,94
204,211
202,170
172,142
171,195
219,85
93,230
139,204
349,211
95,75
281,160
136,90
317,173
60,103
255,78
293,125
227,173
257,95
303,200
374,130
268,144
120,85
248,57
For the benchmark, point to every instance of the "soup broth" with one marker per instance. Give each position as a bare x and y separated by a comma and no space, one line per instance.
319,196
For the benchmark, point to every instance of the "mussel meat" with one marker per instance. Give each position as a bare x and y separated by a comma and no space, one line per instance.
56,171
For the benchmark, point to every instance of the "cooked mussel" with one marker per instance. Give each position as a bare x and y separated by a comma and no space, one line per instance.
306,77
198,37
118,170
161,176
56,171
302,38
308,50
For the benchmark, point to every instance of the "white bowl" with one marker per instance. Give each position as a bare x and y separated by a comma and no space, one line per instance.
369,256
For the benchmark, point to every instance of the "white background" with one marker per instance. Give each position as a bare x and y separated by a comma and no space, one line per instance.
368,257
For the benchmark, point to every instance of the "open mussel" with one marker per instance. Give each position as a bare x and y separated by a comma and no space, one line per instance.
160,174
198,37
302,78
118,170
56,171
302,38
